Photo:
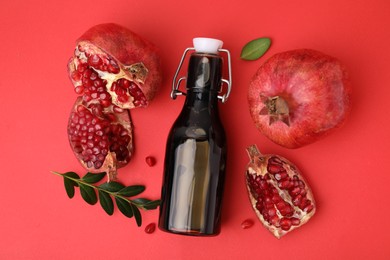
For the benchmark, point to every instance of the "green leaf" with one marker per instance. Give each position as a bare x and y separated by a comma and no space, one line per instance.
124,207
147,204
93,177
88,194
137,215
255,49
141,201
130,191
72,175
153,204
106,202
69,187
112,186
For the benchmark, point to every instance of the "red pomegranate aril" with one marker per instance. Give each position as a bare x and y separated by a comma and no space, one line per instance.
247,223
295,221
151,161
297,200
94,60
276,198
273,168
281,175
309,208
287,211
295,191
79,89
150,228
275,221
272,212
285,184
285,224
271,197
76,75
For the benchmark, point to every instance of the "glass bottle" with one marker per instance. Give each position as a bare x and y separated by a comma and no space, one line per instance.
195,159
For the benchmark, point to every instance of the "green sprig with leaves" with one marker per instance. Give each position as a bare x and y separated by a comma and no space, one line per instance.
106,192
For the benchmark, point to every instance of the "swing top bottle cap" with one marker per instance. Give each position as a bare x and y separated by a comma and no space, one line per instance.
207,45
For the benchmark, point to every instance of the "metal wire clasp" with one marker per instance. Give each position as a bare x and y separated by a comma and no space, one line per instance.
176,82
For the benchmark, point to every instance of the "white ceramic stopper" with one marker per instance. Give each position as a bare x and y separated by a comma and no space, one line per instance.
207,45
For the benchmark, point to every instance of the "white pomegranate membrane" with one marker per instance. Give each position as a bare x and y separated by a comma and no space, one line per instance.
279,195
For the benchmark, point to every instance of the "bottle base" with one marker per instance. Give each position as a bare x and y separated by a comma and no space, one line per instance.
194,233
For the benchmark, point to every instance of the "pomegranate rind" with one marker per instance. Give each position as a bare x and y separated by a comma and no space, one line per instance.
258,167
317,89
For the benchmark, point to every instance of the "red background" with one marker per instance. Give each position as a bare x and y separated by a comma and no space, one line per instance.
347,170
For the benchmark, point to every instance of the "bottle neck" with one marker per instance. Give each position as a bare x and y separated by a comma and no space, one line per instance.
204,73
201,99
204,79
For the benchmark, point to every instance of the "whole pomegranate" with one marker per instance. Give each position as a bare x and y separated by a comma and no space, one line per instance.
299,96
280,196
113,70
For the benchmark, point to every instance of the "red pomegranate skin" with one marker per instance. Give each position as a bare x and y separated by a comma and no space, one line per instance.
298,97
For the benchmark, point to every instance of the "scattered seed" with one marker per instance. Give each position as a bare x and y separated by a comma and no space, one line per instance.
248,223
150,228
151,161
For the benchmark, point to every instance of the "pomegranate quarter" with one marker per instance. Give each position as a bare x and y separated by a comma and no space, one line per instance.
112,70
279,195
297,97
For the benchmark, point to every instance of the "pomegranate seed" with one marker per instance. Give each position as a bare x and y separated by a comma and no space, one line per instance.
295,221
285,184
273,168
97,164
117,109
123,98
87,73
287,211
275,160
297,200
309,208
111,68
79,89
81,68
93,76
275,221
105,103
281,175
285,224
295,191
126,83
276,198
76,75
272,212
94,60
150,228
248,223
